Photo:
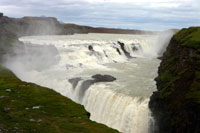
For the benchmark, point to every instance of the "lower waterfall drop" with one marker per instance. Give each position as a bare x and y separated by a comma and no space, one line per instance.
127,114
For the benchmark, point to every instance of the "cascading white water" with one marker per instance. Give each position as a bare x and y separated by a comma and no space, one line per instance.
125,113
52,61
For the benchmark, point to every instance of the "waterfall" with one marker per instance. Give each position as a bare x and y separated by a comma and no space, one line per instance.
68,64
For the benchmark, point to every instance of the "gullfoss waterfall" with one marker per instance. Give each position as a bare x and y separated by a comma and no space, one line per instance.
112,75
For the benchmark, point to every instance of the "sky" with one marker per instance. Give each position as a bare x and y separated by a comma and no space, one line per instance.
126,14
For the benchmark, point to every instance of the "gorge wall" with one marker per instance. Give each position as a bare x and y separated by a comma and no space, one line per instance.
176,103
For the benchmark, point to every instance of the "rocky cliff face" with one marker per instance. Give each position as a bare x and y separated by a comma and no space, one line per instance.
176,103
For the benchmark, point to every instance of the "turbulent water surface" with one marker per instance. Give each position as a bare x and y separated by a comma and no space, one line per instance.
54,61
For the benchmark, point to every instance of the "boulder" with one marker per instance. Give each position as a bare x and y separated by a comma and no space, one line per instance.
103,78
90,48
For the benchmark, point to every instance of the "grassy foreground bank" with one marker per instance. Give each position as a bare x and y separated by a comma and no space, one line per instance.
26,107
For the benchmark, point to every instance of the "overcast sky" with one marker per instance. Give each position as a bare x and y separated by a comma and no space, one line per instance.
129,14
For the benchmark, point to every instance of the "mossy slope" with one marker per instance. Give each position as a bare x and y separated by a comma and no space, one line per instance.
176,103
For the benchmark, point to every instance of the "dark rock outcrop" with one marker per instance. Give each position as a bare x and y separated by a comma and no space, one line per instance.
124,50
176,103
118,51
90,48
103,78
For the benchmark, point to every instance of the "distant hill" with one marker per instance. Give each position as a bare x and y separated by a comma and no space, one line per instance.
49,25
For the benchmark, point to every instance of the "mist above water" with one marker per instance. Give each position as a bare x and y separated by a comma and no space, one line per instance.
52,61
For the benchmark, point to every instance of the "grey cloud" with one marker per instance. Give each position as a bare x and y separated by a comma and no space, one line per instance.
108,14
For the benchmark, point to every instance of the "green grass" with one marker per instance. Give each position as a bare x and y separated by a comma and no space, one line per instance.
18,109
189,37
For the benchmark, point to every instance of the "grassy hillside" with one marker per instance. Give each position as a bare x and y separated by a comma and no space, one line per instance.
26,107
